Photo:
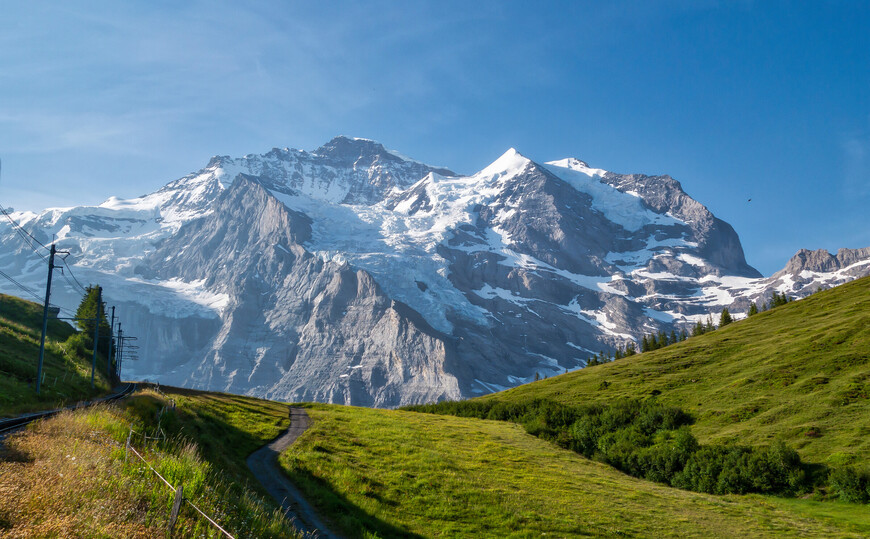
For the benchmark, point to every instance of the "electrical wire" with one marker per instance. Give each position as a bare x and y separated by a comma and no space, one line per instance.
21,286
23,233
77,286
71,274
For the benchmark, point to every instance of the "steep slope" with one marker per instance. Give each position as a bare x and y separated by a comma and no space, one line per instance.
799,373
66,365
521,268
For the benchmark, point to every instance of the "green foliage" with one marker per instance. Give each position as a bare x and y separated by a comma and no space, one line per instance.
86,316
645,439
851,485
753,309
778,300
739,469
725,318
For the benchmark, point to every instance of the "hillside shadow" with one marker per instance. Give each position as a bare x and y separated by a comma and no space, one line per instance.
354,521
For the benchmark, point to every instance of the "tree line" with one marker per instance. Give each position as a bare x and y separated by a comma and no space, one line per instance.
661,339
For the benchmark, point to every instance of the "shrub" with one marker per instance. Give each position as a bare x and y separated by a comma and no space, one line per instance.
651,441
851,485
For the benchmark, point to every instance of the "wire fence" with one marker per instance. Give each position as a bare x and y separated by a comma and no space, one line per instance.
129,447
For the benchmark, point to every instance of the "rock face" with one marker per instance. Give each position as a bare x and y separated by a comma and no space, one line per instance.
354,275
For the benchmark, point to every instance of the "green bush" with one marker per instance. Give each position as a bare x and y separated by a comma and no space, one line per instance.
739,470
648,440
851,485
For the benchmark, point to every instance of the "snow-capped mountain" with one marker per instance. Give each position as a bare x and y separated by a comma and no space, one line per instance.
353,274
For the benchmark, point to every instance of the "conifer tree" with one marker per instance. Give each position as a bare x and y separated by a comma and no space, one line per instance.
710,326
630,350
644,344
673,338
753,309
698,329
683,335
725,318
86,316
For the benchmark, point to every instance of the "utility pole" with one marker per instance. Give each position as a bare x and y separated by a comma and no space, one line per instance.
111,339
120,349
51,267
97,333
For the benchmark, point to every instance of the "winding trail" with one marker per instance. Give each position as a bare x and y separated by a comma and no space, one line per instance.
264,464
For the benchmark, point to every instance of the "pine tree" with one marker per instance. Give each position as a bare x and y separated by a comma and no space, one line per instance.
644,344
698,329
673,337
753,309
630,350
86,316
710,326
683,335
725,318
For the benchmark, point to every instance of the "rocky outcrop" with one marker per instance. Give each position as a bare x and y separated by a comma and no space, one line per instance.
821,261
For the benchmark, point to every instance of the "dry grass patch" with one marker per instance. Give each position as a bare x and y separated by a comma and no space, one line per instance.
68,477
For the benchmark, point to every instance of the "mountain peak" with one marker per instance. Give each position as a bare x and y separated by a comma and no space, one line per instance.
349,149
511,162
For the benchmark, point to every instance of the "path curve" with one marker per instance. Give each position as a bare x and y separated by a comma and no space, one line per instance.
264,464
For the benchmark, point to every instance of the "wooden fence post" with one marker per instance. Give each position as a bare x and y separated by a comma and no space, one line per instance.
127,447
176,506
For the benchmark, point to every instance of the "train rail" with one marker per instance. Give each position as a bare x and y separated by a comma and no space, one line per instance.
14,423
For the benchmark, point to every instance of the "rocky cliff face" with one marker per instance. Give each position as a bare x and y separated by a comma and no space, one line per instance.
352,274
296,327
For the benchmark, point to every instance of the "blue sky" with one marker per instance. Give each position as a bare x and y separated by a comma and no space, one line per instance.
736,100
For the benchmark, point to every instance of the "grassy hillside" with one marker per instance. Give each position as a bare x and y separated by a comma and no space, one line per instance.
69,476
66,367
799,373
382,473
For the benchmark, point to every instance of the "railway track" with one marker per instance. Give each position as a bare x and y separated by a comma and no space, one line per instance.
14,423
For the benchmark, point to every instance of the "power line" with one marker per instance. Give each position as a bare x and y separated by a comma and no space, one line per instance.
22,232
21,286
25,235
71,274
76,286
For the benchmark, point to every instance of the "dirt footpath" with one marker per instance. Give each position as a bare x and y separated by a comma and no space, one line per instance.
264,464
